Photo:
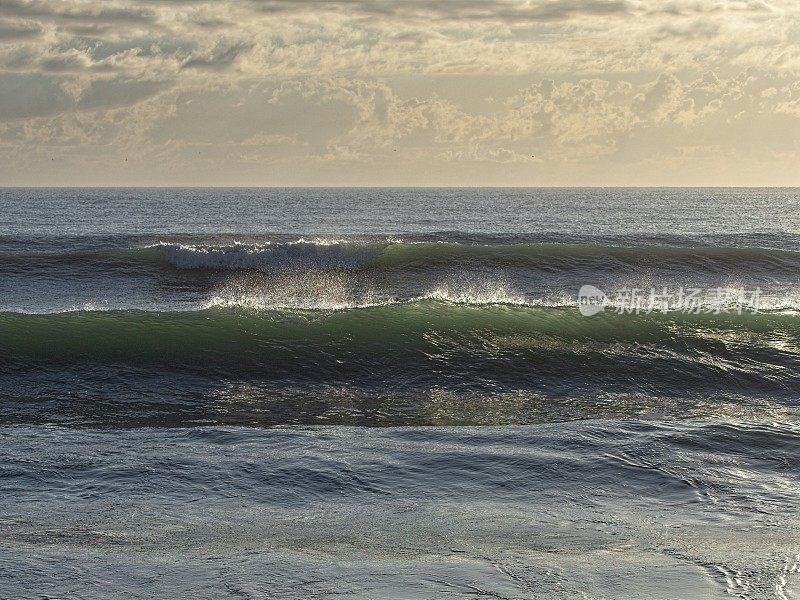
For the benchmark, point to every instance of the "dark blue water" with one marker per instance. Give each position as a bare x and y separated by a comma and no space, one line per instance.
394,393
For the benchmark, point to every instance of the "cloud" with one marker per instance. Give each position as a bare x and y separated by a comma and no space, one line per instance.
66,10
25,96
509,11
118,91
218,58
19,30
373,83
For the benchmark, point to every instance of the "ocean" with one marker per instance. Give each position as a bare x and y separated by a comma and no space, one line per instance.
400,393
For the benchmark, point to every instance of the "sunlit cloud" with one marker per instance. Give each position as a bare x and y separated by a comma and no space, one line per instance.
501,92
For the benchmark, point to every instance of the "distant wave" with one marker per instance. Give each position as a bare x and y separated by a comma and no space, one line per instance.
321,254
349,255
297,255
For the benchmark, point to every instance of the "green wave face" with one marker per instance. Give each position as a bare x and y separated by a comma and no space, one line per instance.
424,254
416,255
415,336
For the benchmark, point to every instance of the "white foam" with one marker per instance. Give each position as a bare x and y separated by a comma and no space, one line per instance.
288,256
318,290
478,292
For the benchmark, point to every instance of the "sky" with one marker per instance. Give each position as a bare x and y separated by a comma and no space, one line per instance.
396,93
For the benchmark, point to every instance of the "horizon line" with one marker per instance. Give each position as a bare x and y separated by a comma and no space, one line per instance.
403,187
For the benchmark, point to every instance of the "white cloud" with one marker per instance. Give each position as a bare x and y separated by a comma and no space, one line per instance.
401,86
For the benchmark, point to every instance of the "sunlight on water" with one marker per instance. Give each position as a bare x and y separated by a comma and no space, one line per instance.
223,395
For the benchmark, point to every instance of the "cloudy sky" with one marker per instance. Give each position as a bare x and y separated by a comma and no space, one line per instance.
405,92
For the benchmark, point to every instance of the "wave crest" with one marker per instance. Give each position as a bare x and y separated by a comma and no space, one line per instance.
286,256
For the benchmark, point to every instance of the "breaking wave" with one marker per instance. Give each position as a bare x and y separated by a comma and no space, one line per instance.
392,254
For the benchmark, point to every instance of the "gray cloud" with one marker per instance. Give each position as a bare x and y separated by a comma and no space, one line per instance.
344,90
26,96
70,11
119,92
509,11
33,96
700,29
19,30
219,58
68,61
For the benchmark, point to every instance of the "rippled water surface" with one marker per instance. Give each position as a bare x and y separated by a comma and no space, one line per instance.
375,393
